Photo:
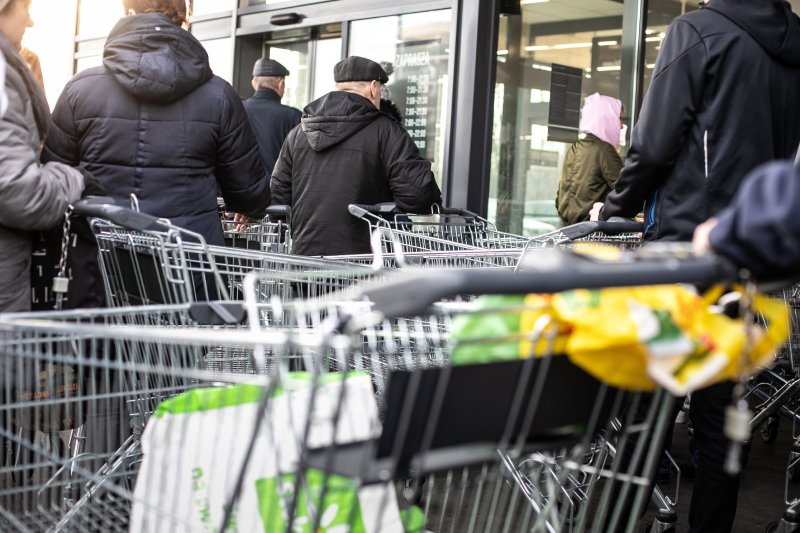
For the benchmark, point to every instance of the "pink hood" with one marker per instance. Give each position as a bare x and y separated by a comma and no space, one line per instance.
600,117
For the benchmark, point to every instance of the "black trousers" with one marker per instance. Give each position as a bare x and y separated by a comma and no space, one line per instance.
715,494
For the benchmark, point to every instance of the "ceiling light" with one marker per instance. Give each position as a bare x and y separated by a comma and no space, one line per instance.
653,39
502,52
548,68
607,43
571,45
610,68
526,2
537,48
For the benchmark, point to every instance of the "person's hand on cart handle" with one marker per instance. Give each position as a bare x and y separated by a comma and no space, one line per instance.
700,240
242,220
594,214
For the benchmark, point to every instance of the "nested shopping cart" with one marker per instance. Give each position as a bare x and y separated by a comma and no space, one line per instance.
271,234
147,261
454,229
775,395
336,444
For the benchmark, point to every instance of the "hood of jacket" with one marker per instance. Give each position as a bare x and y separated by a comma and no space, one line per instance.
771,23
336,116
155,60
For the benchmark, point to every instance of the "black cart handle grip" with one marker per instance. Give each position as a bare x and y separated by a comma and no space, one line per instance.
551,271
104,207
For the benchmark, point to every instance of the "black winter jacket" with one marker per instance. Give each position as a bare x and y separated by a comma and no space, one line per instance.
723,99
155,121
271,122
346,151
761,230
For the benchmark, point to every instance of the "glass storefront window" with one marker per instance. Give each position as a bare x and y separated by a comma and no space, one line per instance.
548,60
310,55
418,46
220,57
659,16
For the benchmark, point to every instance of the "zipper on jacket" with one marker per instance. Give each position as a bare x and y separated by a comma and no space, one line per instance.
705,151
651,215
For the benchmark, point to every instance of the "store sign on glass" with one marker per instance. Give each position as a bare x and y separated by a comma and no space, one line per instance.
418,67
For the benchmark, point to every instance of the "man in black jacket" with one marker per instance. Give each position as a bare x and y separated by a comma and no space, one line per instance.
346,151
723,100
271,120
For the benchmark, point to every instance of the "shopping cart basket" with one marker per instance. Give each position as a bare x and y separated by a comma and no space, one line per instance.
464,440
452,229
272,233
145,261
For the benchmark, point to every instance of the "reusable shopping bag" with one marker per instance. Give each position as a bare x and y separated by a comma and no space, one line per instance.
634,337
193,448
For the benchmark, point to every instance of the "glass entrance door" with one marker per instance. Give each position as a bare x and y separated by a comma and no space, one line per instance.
309,54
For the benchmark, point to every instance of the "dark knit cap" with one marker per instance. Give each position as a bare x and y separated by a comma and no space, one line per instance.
269,67
356,68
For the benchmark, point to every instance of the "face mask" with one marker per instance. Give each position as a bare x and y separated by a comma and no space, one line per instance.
623,133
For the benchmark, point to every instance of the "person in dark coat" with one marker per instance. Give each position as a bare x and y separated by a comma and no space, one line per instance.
271,120
347,151
760,230
722,101
154,121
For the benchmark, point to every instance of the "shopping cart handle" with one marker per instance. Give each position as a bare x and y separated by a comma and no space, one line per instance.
457,211
217,313
612,226
552,270
104,207
279,211
360,210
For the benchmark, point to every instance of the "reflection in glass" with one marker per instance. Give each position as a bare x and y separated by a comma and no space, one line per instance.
293,56
418,46
543,75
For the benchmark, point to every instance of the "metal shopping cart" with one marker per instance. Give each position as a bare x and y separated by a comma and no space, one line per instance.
145,261
452,229
775,395
272,233
461,432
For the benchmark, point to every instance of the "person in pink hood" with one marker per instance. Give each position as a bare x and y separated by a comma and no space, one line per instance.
592,165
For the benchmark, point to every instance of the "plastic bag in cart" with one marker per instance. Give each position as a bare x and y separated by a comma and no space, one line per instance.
195,443
635,338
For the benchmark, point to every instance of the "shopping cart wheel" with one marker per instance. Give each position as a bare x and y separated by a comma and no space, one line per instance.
410,489
769,429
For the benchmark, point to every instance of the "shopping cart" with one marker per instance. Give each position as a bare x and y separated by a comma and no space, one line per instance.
775,395
452,229
272,233
463,429
146,261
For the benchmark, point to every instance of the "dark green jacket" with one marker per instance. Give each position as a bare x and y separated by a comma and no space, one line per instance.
591,167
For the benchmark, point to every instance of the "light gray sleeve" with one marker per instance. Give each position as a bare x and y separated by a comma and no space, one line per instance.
32,196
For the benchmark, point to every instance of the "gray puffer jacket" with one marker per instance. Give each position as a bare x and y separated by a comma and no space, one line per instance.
32,196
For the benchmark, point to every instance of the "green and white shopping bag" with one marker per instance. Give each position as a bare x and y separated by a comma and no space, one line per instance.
195,444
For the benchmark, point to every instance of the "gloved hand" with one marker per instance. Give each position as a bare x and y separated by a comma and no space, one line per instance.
91,185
